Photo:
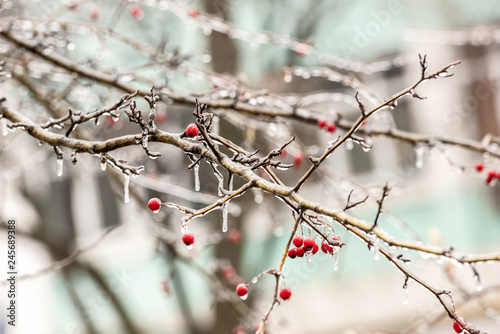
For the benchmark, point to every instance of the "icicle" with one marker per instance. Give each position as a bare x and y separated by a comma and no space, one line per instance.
5,129
335,258
60,164
308,257
144,141
405,294
103,163
349,145
184,225
225,211
374,245
126,181
196,170
479,285
244,297
419,159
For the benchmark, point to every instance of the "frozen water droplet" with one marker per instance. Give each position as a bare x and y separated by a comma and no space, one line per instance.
126,181
349,145
103,166
254,280
393,250
258,198
156,211
5,130
207,31
405,294
225,212
196,170
244,297
335,254
60,165
287,77
190,246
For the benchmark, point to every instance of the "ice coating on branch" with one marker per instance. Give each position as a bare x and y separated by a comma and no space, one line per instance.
196,170
225,212
479,285
184,225
126,181
374,245
145,141
60,165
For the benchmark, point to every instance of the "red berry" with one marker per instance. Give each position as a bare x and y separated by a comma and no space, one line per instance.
309,244
292,253
490,176
315,248
188,239
325,247
161,117
242,289
136,11
479,166
239,330
154,204
234,236
192,130
298,158
297,241
283,152
497,175
194,12
321,123
331,127
299,251
285,293
457,327
229,272
94,14
302,49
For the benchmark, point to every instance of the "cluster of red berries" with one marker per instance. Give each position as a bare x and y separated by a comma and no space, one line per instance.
490,175
242,291
308,245
324,124
154,205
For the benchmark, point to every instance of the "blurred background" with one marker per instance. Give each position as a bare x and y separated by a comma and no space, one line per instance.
123,269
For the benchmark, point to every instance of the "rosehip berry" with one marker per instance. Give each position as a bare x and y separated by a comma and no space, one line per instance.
94,14
188,239
321,123
292,253
242,289
325,247
285,293
136,11
239,330
300,251
315,248
456,327
193,12
154,204
309,244
192,130
234,236
297,241
298,158
479,166
331,127
490,176
302,49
